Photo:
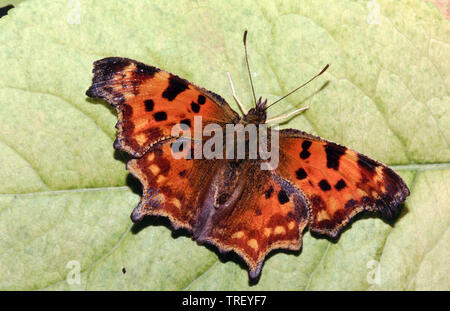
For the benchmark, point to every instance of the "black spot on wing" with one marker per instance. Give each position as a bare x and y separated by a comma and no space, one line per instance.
306,144
201,99
304,154
301,174
176,86
149,104
195,107
160,116
334,153
282,197
324,185
340,185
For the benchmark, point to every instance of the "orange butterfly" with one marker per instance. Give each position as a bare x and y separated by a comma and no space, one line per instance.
234,204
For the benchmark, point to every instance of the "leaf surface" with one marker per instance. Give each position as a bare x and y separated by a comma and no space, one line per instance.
64,193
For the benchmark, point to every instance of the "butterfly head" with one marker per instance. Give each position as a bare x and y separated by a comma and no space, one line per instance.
256,115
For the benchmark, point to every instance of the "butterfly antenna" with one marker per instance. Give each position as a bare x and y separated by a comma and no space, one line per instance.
296,89
248,67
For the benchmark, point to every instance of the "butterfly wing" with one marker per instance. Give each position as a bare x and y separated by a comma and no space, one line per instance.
240,208
338,182
173,183
150,102
235,205
261,212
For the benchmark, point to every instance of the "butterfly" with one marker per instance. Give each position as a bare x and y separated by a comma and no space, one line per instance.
233,203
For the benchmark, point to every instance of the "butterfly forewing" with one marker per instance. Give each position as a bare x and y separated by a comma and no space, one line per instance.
151,101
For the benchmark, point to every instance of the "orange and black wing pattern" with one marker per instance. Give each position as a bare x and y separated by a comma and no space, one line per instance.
263,213
151,101
173,183
258,213
337,182
234,204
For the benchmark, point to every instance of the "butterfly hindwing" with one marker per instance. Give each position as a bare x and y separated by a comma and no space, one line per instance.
172,185
258,213
338,182
151,101
233,206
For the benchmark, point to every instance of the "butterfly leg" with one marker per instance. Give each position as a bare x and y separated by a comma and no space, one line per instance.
235,96
286,116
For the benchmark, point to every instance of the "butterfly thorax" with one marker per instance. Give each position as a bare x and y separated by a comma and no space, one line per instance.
256,115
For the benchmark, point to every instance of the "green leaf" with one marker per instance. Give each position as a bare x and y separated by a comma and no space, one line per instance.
64,194
4,3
